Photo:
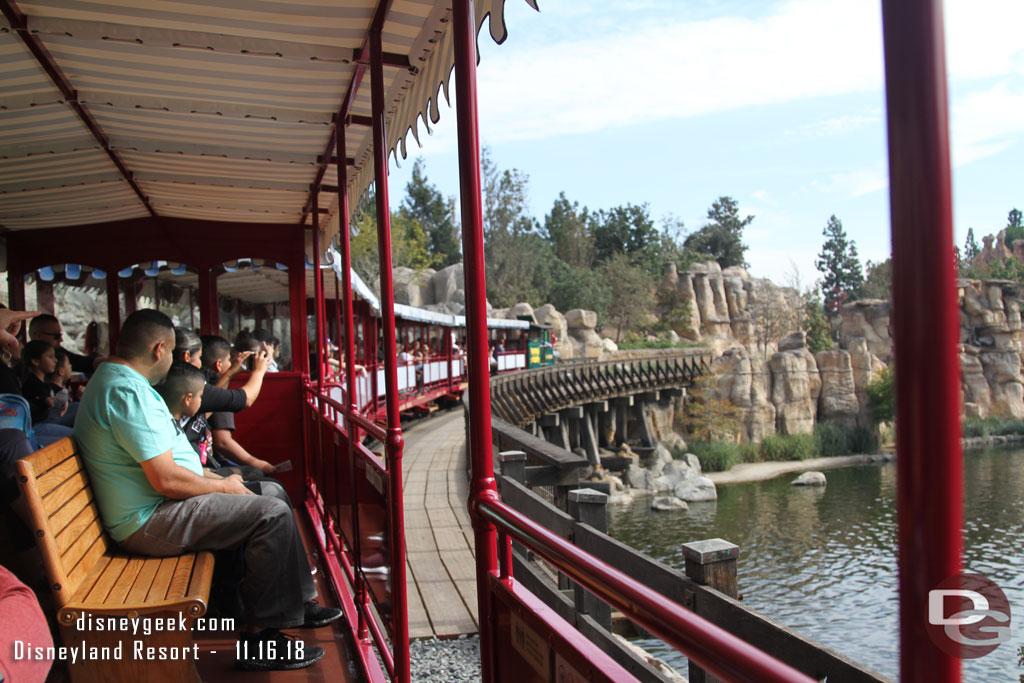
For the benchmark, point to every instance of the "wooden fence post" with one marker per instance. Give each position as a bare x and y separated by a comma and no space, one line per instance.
713,564
513,465
588,506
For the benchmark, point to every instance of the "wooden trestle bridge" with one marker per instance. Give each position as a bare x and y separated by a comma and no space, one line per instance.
539,418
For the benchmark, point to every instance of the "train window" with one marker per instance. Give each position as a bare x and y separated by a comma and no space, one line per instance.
77,296
253,295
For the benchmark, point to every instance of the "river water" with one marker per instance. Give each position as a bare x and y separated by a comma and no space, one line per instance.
823,561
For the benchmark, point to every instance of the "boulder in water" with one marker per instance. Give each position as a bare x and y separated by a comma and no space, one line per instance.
810,479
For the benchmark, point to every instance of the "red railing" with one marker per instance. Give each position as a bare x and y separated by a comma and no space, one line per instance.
351,493
713,648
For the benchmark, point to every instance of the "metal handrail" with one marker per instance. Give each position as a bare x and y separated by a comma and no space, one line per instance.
713,648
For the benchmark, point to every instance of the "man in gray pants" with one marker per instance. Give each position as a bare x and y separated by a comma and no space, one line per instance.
152,505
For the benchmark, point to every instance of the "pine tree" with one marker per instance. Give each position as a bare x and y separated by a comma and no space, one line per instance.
1014,228
722,237
840,266
971,248
425,205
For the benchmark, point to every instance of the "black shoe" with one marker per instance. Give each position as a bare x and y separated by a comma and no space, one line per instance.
318,615
271,650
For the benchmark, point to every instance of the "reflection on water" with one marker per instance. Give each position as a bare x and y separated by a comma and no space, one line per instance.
823,561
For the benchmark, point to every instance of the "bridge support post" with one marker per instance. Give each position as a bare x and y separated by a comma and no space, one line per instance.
622,406
642,425
712,563
588,506
590,439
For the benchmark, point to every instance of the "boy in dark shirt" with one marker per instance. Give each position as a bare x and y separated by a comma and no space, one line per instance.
216,362
38,360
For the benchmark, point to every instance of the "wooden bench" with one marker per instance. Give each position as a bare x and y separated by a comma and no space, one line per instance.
92,580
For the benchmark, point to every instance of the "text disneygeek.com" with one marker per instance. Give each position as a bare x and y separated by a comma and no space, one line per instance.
134,649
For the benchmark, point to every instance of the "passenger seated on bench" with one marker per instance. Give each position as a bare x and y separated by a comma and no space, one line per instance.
217,361
58,381
37,360
47,328
152,505
189,348
266,340
178,392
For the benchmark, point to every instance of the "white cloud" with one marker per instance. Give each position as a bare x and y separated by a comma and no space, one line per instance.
672,69
834,126
983,38
986,122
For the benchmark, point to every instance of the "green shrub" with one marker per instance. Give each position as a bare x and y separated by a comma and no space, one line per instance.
831,440
882,396
750,452
777,447
632,341
716,456
992,426
975,427
863,440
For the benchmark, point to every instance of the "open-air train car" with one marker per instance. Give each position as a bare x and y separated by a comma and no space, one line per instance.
205,132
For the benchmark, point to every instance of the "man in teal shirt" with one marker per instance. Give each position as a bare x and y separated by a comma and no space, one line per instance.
152,505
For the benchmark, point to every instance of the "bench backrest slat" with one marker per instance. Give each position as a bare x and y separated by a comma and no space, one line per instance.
66,513
45,459
66,522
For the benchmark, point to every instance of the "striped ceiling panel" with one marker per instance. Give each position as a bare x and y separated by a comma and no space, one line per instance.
218,109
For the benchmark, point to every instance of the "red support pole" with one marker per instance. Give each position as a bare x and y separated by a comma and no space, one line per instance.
209,310
297,307
925,335
318,298
130,294
352,406
482,485
394,446
113,310
16,297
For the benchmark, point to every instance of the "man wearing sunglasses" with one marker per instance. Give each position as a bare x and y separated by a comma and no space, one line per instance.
47,328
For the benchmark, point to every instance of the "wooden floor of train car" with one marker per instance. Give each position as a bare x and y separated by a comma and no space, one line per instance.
217,650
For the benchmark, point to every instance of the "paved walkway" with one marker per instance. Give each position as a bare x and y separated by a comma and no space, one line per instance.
757,471
441,565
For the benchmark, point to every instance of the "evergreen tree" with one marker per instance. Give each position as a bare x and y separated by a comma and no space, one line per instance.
409,246
971,248
1015,219
424,204
840,266
628,230
630,288
722,237
570,232
1014,228
819,332
519,259
878,279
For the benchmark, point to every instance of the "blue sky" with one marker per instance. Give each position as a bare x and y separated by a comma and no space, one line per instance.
778,104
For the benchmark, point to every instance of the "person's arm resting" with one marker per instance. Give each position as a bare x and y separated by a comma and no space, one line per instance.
171,480
224,443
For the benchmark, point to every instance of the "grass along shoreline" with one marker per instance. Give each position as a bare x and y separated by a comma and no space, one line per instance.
778,454
827,441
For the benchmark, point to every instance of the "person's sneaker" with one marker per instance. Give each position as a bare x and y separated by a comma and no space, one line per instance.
318,615
271,650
